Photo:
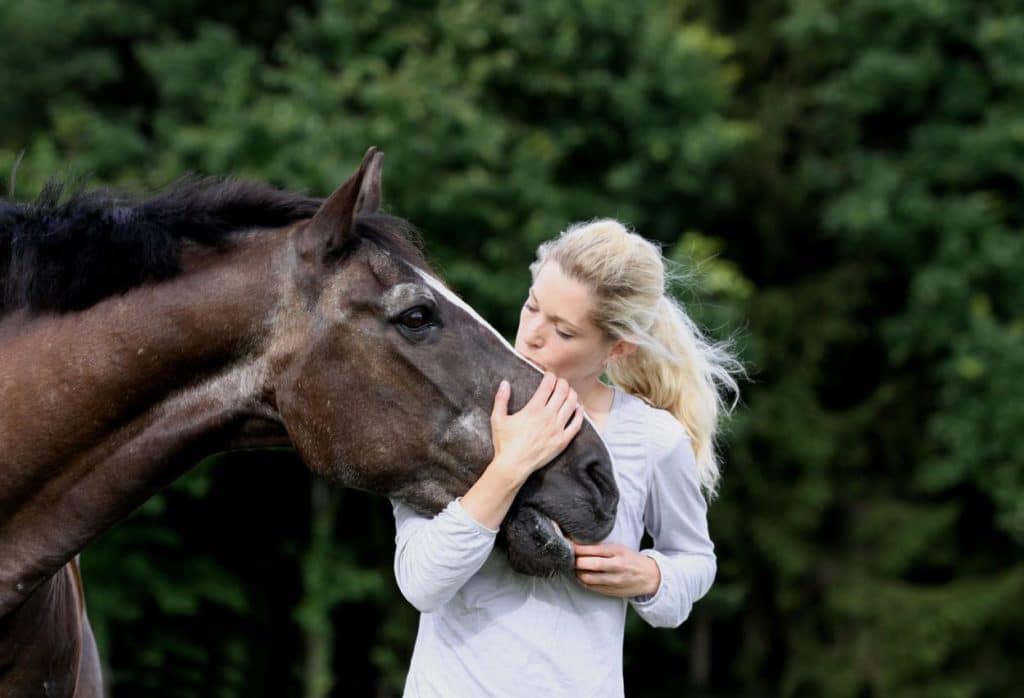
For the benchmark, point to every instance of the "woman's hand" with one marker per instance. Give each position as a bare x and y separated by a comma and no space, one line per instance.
529,439
523,442
616,570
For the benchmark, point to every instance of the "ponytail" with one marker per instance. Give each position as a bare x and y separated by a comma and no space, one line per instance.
676,369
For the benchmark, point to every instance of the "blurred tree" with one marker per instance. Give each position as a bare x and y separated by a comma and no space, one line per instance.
876,483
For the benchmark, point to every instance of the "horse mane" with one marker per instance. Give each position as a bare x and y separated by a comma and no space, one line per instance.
59,256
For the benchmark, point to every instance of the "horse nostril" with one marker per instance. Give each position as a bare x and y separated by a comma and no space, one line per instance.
596,473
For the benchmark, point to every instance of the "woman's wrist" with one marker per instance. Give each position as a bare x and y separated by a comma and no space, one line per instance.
506,474
490,497
653,576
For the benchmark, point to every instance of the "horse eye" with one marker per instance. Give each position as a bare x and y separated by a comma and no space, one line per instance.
415,319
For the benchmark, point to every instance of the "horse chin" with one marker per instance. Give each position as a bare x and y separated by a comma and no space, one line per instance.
536,544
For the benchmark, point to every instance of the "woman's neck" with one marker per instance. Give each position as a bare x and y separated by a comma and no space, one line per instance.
596,398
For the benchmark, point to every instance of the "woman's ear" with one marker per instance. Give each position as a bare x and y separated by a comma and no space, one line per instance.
620,349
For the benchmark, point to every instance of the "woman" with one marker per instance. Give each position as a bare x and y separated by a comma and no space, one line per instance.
597,306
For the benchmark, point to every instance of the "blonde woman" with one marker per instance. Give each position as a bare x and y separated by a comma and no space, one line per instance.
597,306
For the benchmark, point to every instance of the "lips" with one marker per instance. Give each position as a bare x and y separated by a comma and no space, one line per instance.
536,364
550,537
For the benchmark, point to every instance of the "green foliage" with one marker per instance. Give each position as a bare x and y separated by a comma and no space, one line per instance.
837,183
895,573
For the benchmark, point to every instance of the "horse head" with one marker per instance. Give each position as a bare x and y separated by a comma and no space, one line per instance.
384,380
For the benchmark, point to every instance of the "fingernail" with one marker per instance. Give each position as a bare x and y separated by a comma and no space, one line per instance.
504,385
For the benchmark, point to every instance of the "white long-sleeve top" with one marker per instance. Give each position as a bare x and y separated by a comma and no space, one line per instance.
486,630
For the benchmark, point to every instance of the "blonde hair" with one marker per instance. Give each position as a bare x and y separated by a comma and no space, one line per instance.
675,367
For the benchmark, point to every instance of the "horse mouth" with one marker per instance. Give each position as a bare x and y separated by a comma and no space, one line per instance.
536,544
550,535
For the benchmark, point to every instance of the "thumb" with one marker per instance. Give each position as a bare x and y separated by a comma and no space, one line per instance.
501,401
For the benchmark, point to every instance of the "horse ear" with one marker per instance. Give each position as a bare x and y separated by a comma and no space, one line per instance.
333,223
368,200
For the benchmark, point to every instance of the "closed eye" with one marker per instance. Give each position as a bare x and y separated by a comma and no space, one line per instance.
533,309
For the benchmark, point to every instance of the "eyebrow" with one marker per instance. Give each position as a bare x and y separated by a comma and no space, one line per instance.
555,318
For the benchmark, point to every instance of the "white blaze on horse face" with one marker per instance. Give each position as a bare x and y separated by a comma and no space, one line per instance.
447,293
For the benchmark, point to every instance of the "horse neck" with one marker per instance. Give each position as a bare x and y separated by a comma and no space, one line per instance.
108,405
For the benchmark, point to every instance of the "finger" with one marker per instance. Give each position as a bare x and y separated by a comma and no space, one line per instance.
501,401
591,564
604,578
604,565
589,578
574,425
565,412
606,590
596,550
543,392
559,394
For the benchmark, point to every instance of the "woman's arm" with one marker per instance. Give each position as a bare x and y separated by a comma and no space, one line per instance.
661,583
676,518
435,556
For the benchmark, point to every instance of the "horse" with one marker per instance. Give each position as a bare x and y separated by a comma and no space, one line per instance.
140,335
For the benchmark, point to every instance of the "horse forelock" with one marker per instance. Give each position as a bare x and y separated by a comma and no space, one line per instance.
394,235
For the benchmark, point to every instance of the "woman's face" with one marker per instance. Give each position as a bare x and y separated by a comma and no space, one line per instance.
555,330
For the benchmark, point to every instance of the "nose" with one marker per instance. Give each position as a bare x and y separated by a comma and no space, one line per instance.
599,475
533,336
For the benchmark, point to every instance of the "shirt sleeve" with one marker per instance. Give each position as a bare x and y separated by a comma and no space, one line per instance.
676,518
435,556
